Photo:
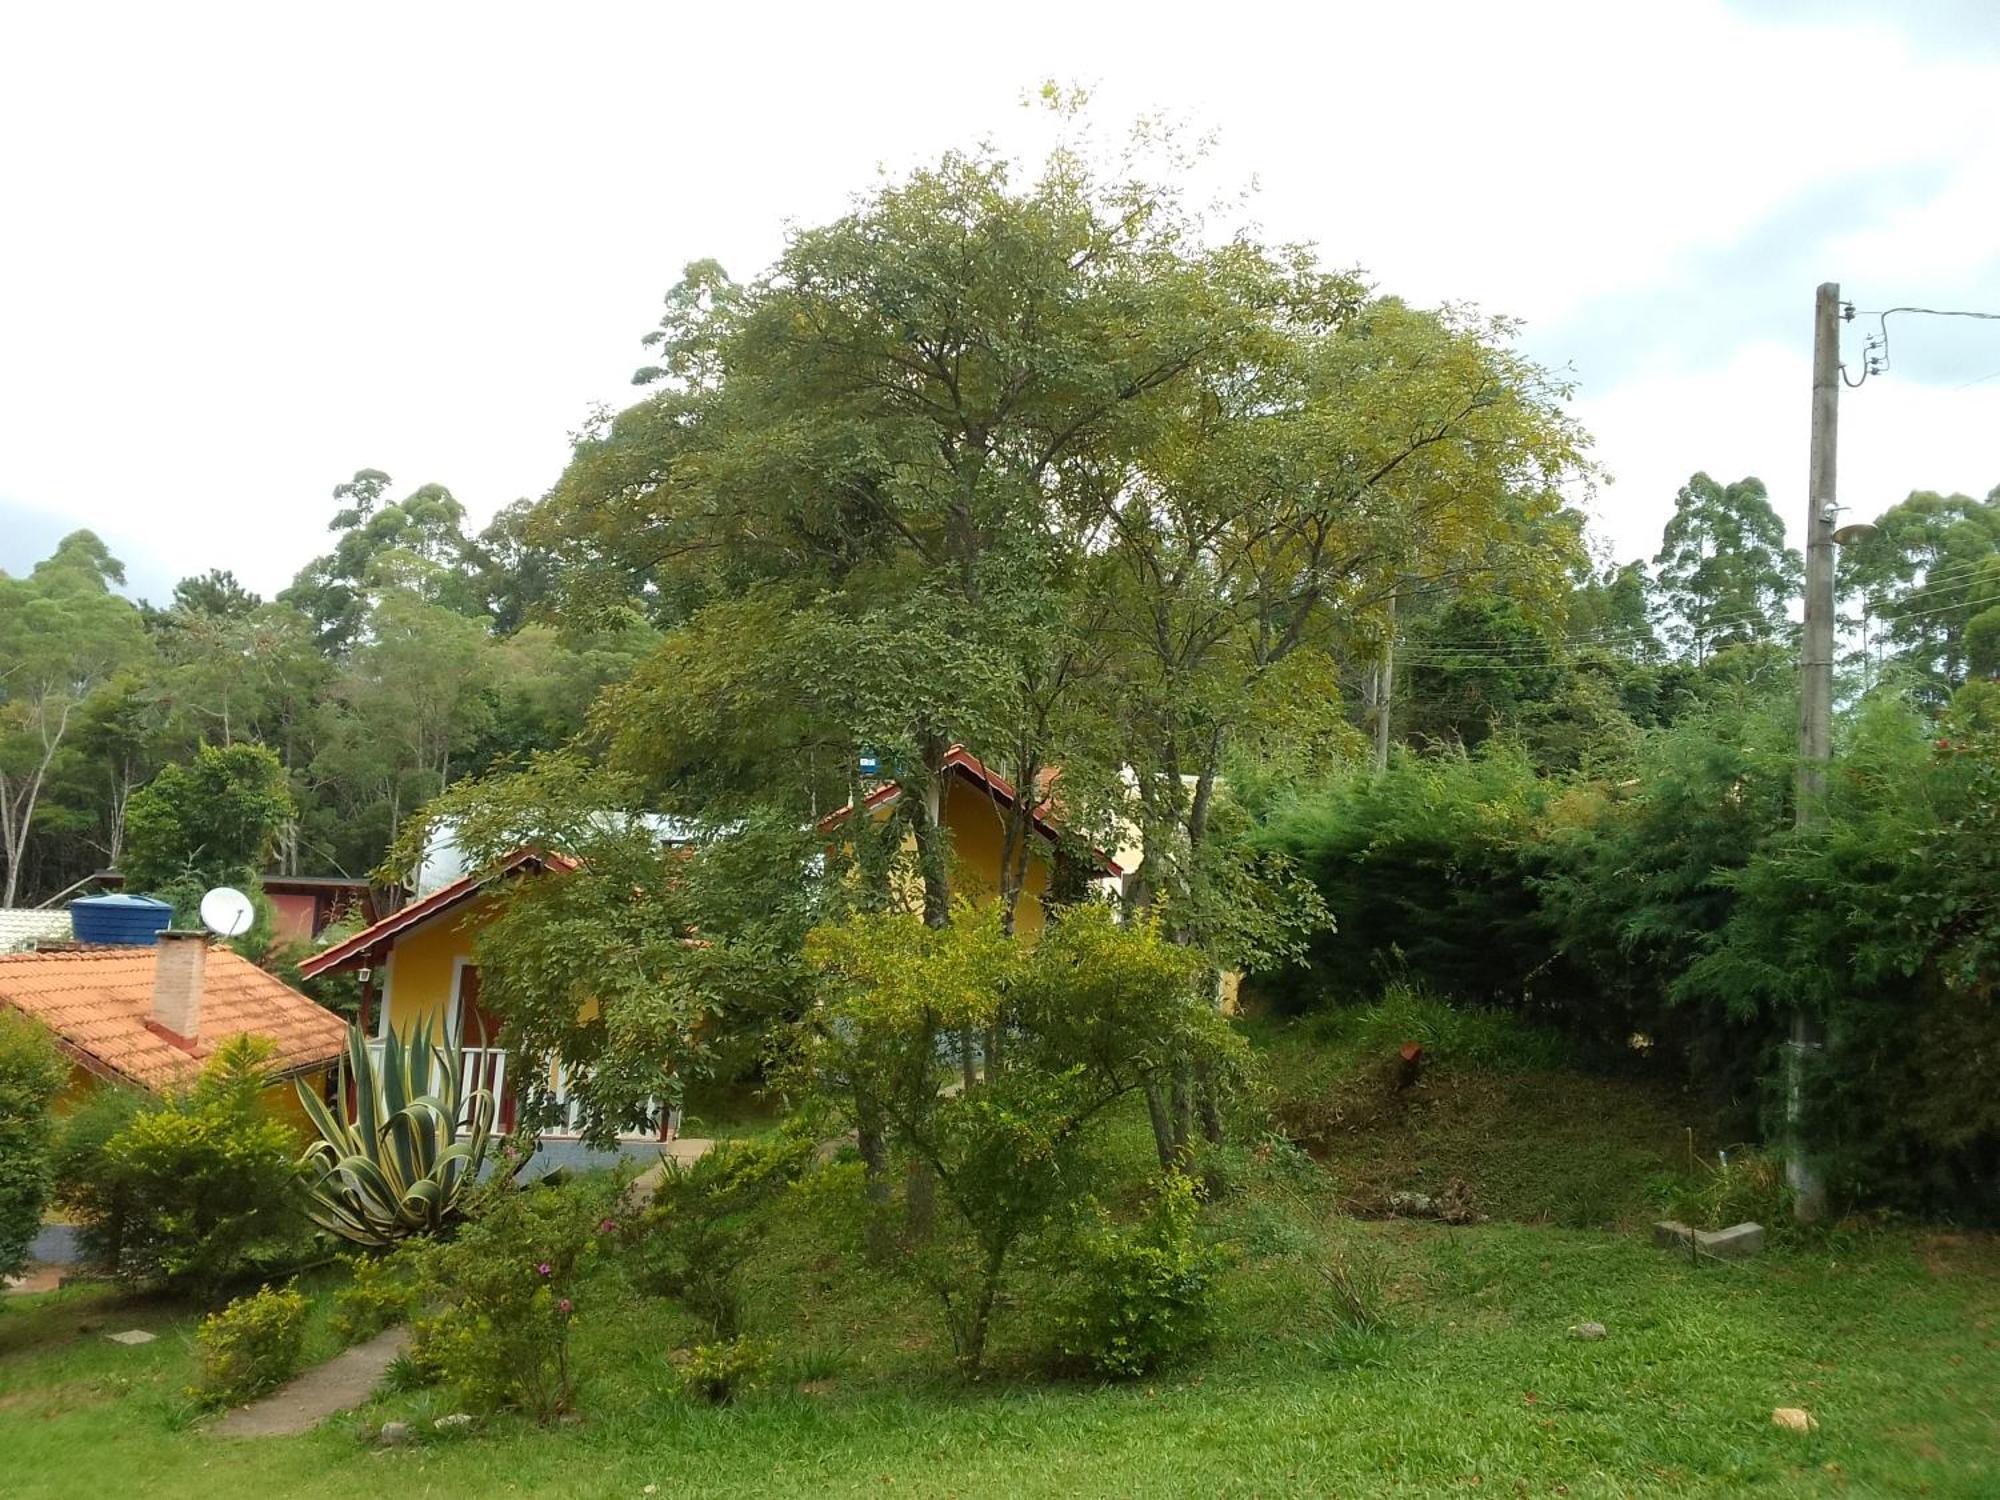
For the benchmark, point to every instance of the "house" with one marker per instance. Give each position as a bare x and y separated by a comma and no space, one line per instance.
302,906
23,928
418,966
973,804
149,1017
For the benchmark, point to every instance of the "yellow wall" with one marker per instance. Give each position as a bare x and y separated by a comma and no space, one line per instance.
421,965
978,833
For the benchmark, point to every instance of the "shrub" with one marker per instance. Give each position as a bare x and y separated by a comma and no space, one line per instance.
382,1291
405,1160
251,1346
31,1074
1144,1296
1094,1012
706,1220
192,1191
1737,1187
84,1184
506,1289
719,1373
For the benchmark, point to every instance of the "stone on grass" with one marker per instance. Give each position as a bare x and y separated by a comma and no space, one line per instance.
393,1434
456,1420
1737,1242
1587,1331
1793,1419
131,1336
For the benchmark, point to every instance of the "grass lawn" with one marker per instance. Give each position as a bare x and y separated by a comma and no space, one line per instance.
1472,1384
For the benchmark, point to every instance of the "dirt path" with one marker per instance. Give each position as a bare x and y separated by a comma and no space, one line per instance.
342,1383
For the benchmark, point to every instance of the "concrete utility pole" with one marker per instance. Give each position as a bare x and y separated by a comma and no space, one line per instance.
1815,701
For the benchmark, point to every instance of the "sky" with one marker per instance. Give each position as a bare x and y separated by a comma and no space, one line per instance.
245,251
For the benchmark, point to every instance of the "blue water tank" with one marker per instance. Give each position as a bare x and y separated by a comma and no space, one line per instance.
128,921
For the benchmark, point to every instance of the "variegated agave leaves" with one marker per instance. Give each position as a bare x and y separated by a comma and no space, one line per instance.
413,1149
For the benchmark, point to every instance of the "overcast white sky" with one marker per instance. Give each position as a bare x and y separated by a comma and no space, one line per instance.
246,251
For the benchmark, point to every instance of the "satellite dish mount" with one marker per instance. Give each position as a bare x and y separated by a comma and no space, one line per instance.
227,912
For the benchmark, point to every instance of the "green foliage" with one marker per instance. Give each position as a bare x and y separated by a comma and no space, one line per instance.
63,633
1928,578
506,1290
381,1291
719,1373
1423,871
1093,1013
403,1160
1461,1035
250,1347
1143,1296
31,1074
192,1191
707,1218
1725,573
216,817
92,1196
1735,1188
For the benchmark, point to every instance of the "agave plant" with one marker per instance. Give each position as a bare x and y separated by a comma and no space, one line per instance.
411,1150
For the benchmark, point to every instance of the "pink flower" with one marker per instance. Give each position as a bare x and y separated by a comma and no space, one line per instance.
543,1268
565,1306
607,1226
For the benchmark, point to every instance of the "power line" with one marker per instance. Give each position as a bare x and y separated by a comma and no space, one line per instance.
1875,352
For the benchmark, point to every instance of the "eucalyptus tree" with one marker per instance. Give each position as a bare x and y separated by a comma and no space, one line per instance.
63,633
1723,572
1926,575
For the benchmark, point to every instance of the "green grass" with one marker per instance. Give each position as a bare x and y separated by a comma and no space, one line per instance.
1493,1108
1469,1383
1890,1342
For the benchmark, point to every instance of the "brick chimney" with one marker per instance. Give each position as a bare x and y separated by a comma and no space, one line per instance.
179,961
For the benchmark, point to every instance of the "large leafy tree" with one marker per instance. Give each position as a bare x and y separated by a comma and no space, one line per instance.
63,632
213,820
1929,583
1723,571
417,543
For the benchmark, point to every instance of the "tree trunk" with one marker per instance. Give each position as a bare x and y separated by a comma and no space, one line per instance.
1163,1125
875,1177
926,814
973,1353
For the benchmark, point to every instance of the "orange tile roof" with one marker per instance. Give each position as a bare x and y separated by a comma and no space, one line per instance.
97,1002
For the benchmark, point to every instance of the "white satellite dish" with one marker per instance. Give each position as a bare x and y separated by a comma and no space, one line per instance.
227,912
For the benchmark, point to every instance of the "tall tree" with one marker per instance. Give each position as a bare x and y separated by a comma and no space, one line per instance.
62,633
1724,573
417,543
1930,570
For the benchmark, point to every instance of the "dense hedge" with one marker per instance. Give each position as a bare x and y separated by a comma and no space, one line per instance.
1669,908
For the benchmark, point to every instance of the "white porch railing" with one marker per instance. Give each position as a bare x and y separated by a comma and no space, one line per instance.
652,1123
483,1068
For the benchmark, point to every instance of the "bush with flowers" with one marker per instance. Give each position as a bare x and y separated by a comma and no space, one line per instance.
506,1289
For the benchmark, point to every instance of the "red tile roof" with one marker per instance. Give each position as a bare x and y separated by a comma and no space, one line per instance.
969,766
354,951
97,1002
